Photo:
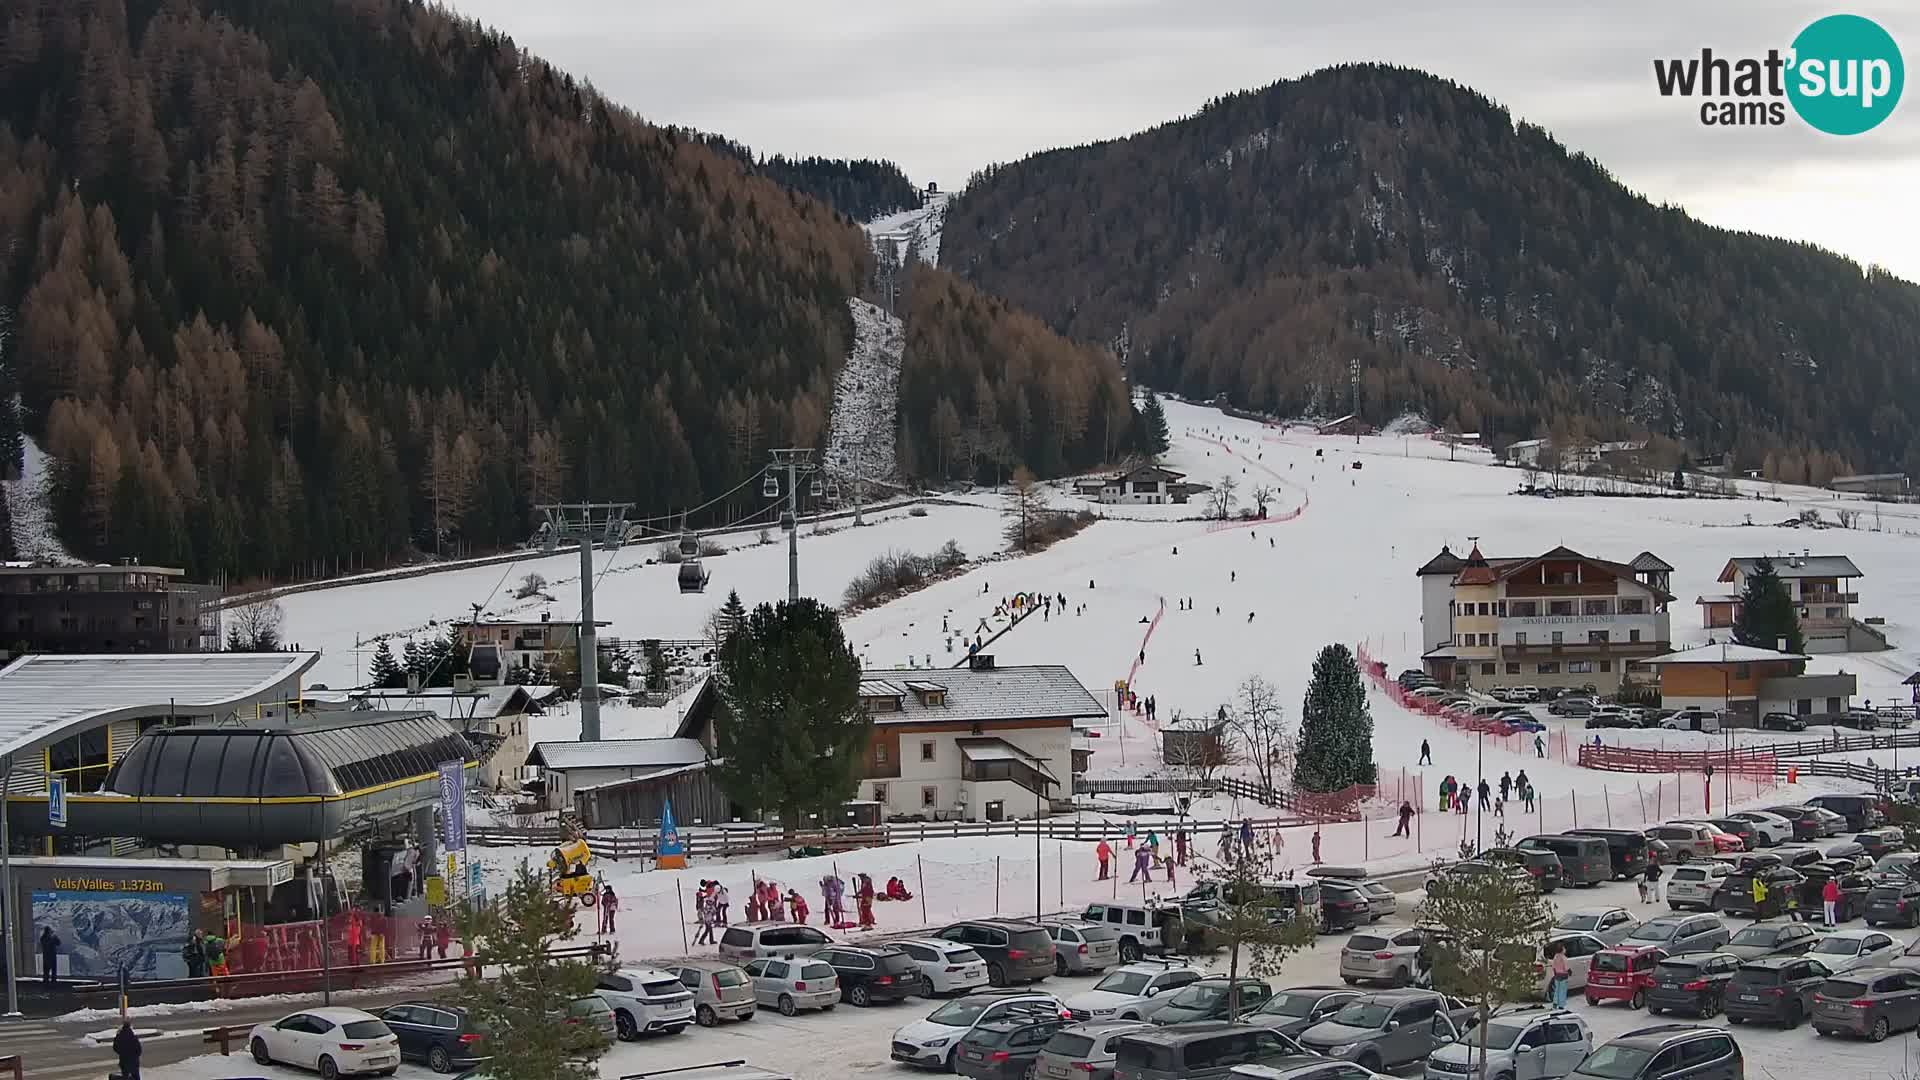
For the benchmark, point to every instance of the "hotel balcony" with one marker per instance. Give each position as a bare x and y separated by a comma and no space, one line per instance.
1585,649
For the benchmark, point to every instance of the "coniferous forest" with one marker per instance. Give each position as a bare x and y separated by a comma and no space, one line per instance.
1478,272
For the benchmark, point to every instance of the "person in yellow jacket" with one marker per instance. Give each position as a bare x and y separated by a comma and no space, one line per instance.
1759,899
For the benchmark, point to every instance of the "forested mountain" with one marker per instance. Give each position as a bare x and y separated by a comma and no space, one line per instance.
1477,270
862,189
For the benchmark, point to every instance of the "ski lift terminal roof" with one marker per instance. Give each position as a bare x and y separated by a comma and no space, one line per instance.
47,696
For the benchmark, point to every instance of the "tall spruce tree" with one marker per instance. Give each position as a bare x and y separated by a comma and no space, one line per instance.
1336,729
1766,611
1154,438
793,735
384,673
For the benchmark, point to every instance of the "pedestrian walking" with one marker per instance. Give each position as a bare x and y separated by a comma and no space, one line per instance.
443,934
1506,785
126,1047
703,914
1759,899
609,906
49,955
1196,658
1830,899
1168,863
1561,974
863,897
195,955
1486,793
1406,820
1142,859
1652,878
1426,753
425,945
1104,853
1316,845
1540,745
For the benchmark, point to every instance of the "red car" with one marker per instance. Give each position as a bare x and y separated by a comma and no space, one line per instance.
1623,973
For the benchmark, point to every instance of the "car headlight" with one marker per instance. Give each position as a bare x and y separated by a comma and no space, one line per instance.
932,1043
1342,1048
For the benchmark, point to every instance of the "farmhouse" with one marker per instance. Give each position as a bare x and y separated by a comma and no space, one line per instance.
1746,683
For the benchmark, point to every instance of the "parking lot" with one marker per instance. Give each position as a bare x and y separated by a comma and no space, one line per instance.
827,1045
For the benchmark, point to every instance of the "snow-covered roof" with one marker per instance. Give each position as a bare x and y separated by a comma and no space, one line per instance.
1722,654
1444,563
664,772
1040,692
1718,598
880,688
46,696
1796,566
484,704
617,754
1648,561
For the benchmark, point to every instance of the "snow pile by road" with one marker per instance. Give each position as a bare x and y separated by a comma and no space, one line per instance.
866,396
27,498
916,232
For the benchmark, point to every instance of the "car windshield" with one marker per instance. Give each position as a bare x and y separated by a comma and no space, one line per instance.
1655,931
729,977
960,1013
1610,961
1499,1035
365,1029
896,962
962,956
1364,1014
817,971
1837,947
1291,1004
1125,982
1616,1062
1200,995
1366,943
1577,921
1756,935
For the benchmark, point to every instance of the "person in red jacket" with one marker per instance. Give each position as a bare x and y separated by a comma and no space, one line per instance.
1104,853
797,904
1830,893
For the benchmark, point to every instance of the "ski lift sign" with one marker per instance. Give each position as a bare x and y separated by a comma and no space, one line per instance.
453,799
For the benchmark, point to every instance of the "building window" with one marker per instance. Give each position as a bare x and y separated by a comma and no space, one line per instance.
1833,704
1833,612
1743,671
1500,609
1486,640
1599,637
1463,639
926,750
1579,667
929,796
1486,669
1632,605
880,793
1606,665
1633,635
1486,609
1513,669
1524,609
1548,667
879,753
1560,607
1597,607
1520,637
1557,636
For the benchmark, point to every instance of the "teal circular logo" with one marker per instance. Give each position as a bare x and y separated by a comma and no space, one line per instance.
1846,75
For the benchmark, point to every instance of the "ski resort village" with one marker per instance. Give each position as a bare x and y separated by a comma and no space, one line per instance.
1333,586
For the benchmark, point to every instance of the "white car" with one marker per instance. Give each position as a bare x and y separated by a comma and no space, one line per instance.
931,1042
1609,924
1845,950
949,966
792,985
1692,886
645,1000
1581,949
1770,828
1132,992
333,1042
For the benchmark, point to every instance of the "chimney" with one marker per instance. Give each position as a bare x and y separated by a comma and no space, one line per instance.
980,662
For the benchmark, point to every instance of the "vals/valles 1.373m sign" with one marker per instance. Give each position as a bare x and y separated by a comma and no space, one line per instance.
1842,75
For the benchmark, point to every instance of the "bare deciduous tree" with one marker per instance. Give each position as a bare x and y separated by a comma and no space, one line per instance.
1259,722
1221,498
530,586
1262,494
255,626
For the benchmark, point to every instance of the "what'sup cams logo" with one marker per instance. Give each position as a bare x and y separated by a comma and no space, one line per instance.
1842,75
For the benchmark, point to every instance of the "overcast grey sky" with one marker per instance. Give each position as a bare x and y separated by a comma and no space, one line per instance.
945,88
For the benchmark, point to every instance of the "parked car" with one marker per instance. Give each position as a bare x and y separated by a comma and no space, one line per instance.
1084,1051
1684,841
646,1000
1543,865
1894,900
1680,934
868,975
948,966
931,1042
1795,856
1580,948
1609,924
1735,895
445,1037
1471,868
1654,1053
1133,991
1693,719
1570,705
1389,1029
1302,1067
594,1012
1383,957
1882,841
1743,834
331,1041
1724,842
1783,721
1005,1049
1855,889
1584,860
1845,950
1776,990
1873,1002
1691,887
1623,973
1773,828
1422,693
1806,824
1199,1051
1521,1040
1297,1008
1861,811
1696,983
1627,848
1762,940
1609,716
1210,998
750,941
1142,929
1080,947
1343,906
721,991
792,985
1015,950
1381,899
1861,719
1832,822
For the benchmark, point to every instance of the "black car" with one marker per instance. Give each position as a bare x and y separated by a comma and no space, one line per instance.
1667,1050
1695,983
1342,907
1855,887
1629,849
1735,894
885,973
1762,940
1015,950
1882,841
1806,823
1776,990
1004,1049
1861,811
1297,1008
1543,865
1894,899
443,1036
1868,1001
1783,721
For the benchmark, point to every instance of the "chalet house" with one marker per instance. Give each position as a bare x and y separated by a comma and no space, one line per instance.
1146,484
618,782
1746,683
518,644
1555,619
975,743
1822,590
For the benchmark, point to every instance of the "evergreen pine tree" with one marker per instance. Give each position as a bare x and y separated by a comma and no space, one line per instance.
6,526
733,612
1154,439
1336,729
792,735
517,1004
1766,611
413,660
384,673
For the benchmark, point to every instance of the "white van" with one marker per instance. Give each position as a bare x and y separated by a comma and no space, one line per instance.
1693,719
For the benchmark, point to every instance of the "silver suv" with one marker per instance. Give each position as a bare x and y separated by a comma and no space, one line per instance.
1522,1040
